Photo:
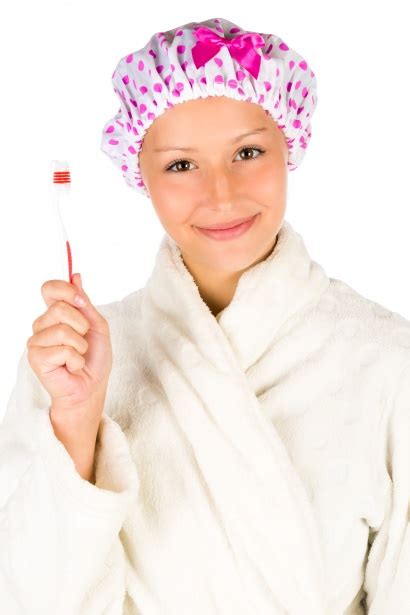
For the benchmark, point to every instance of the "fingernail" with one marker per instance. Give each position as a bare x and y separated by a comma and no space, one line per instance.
79,300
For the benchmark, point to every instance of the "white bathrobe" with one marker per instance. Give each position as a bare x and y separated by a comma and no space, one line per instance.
256,463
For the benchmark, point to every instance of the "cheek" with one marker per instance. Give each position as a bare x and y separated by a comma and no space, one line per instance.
270,192
173,210
272,177
264,179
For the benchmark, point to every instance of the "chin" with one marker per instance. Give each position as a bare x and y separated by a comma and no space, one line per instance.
229,258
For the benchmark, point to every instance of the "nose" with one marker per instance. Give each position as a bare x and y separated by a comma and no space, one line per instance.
220,189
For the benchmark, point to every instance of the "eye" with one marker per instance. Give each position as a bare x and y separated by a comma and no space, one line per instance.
248,148
177,162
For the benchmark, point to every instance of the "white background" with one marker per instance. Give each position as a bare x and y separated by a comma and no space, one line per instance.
349,198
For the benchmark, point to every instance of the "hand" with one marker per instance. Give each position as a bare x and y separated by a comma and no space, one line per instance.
70,352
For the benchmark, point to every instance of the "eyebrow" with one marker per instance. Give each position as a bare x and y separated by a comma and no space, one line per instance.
192,149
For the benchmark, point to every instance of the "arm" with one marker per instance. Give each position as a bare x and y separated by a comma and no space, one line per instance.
59,533
387,575
79,444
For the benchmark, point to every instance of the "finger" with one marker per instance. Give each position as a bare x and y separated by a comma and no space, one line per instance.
77,281
59,334
96,320
46,359
57,290
61,312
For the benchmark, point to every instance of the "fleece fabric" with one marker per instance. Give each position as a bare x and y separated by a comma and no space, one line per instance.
256,462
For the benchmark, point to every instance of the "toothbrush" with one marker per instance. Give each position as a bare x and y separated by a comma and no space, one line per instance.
61,192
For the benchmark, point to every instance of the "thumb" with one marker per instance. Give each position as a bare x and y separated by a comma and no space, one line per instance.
76,278
96,320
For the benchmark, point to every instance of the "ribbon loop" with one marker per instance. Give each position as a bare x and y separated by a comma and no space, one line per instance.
242,48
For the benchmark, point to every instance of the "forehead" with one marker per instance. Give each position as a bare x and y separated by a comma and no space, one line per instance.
218,115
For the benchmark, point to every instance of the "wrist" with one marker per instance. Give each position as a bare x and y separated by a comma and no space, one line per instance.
81,446
80,418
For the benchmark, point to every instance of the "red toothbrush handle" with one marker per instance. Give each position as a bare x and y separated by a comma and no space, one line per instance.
70,262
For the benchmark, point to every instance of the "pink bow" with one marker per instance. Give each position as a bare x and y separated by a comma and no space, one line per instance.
241,47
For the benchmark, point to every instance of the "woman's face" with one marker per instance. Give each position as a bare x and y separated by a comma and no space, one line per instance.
220,177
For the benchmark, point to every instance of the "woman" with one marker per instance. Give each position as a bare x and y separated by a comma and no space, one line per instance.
251,449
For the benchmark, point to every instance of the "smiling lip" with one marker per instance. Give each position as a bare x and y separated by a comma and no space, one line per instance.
231,232
226,225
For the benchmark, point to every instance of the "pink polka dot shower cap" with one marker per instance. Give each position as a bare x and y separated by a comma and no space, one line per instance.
214,57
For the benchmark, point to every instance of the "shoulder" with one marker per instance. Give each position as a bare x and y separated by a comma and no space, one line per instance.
121,309
123,317
378,334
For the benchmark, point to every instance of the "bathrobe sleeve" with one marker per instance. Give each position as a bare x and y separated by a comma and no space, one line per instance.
60,550
387,575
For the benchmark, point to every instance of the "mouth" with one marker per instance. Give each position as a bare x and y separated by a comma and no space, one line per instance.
226,225
229,232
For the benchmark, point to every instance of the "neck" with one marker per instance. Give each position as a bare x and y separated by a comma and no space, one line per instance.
216,287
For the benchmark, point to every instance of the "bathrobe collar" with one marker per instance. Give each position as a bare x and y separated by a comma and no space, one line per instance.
266,296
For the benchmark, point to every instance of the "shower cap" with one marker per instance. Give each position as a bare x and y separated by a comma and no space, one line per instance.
214,57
